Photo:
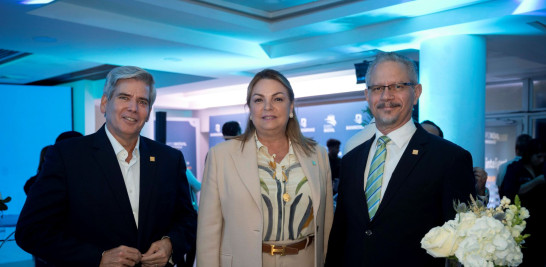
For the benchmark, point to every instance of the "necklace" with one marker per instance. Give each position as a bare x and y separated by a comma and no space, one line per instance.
285,196
273,164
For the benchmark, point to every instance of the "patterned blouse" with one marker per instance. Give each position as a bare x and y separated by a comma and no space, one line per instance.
286,197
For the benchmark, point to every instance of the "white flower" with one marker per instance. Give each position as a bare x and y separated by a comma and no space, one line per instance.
469,254
517,229
524,213
486,243
465,221
505,201
478,237
509,216
441,241
513,208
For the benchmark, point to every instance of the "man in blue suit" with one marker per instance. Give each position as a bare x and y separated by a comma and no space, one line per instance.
113,198
400,183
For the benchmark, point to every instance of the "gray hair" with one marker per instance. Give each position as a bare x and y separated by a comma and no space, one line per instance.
392,56
129,72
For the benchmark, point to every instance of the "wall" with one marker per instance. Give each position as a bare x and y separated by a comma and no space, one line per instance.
85,95
33,117
203,116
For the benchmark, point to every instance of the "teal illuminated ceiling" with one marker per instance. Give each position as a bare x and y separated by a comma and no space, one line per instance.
211,43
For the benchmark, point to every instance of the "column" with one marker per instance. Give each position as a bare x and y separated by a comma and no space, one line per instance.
452,73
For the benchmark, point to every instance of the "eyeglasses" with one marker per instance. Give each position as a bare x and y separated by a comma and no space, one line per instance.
395,87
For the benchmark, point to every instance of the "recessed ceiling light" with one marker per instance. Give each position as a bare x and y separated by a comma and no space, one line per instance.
36,2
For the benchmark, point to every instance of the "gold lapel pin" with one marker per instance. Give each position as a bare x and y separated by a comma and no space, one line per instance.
415,152
152,159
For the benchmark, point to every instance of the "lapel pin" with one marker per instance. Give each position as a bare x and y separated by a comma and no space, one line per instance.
314,163
415,152
152,159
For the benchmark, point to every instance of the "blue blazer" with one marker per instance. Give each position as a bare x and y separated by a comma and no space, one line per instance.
430,175
79,206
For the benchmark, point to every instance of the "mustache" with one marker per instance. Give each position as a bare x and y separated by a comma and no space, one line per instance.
388,105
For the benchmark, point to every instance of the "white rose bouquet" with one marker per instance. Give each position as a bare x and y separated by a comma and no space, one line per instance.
481,236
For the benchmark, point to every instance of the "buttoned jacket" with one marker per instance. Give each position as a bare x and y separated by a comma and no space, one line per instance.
230,226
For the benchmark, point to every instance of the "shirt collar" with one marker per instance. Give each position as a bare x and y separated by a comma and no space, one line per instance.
118,147
401,136
259,145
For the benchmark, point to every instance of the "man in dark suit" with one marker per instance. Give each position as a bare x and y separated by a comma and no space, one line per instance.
399,184
113,198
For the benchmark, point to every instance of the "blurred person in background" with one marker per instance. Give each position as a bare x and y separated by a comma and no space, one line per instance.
521,142
335,161
526,179
231,129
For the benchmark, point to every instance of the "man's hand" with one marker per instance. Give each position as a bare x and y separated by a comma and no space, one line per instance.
481,178
120,256
159,253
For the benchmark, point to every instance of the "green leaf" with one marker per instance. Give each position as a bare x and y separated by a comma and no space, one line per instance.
517,201
520,238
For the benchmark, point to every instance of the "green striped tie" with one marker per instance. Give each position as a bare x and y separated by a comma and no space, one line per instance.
375,176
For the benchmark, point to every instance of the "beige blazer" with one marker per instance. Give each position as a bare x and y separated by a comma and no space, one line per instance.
230,224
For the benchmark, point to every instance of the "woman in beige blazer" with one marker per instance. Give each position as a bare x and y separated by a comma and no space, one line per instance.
266,197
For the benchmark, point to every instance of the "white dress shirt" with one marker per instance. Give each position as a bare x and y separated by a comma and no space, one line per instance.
130,171
395,148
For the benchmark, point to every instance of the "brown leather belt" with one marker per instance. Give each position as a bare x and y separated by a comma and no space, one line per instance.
291,249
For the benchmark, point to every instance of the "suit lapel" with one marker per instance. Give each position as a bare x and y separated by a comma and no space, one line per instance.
246,164
414,152
356,164
105,157
311,171
147,185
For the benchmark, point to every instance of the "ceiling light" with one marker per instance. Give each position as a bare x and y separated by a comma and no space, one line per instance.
36,2
527,6
304,86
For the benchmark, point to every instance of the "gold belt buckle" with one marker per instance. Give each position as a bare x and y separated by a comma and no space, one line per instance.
277,249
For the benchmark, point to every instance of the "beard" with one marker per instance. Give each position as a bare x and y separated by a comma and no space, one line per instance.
387,120
387,117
